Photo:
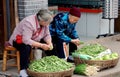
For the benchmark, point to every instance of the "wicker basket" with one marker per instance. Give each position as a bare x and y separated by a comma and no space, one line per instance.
101,63
67,73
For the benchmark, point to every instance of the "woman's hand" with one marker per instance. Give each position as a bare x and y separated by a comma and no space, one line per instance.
51,47
46,46
76,41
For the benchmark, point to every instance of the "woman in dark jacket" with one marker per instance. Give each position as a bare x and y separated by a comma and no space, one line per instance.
62,29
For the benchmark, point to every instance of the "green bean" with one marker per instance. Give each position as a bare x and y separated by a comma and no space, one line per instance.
50,64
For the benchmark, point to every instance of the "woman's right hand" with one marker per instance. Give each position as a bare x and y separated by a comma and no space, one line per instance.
45,46
76,41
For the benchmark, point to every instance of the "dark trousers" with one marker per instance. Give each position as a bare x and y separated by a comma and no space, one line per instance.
58,49
24,54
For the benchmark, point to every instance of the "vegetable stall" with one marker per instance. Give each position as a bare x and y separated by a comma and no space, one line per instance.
83,68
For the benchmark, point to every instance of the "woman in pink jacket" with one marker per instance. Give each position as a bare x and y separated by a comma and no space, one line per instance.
28,33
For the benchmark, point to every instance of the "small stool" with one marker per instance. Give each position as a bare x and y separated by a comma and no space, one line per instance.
13,53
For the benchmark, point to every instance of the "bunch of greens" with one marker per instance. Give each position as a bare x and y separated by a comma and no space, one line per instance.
49,64
91,49
85,69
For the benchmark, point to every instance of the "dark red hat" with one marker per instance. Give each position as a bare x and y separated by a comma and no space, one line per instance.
75,12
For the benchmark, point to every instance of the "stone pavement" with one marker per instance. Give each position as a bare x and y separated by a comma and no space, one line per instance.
109,42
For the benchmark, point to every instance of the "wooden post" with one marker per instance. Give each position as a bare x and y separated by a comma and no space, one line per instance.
12,15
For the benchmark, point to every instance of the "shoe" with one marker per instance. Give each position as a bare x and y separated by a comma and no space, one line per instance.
23,73
70,59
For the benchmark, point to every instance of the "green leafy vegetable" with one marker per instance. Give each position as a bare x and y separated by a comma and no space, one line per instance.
50,64
82,56
91,49
84,69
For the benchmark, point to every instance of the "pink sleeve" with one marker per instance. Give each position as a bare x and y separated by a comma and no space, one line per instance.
27,33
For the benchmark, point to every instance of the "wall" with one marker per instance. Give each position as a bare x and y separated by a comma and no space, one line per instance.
28,7
92,25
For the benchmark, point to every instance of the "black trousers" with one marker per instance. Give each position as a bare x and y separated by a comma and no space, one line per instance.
58,49
24,54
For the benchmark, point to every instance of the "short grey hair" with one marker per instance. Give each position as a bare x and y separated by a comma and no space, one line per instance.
44,15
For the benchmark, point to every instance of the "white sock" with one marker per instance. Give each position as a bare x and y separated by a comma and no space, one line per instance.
23,73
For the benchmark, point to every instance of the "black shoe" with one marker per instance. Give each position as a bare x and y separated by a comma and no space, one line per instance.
70,60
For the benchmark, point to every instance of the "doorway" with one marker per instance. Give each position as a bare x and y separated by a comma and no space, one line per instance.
3,28
2,24
6,7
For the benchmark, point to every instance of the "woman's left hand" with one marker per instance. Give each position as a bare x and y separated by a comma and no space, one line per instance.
50,47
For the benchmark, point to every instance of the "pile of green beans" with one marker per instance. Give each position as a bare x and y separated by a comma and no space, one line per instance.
91,49
50,64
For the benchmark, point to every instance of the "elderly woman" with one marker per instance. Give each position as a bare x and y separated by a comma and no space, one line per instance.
62,29
28,33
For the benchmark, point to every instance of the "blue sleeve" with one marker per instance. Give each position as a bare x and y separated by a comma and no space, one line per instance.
60,31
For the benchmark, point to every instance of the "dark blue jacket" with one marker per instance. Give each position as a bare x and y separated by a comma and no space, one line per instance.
62,28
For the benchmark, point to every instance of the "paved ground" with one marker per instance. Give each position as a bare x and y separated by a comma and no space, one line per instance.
109,42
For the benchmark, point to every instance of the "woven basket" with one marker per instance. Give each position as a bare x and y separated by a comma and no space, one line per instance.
67,73
102,64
